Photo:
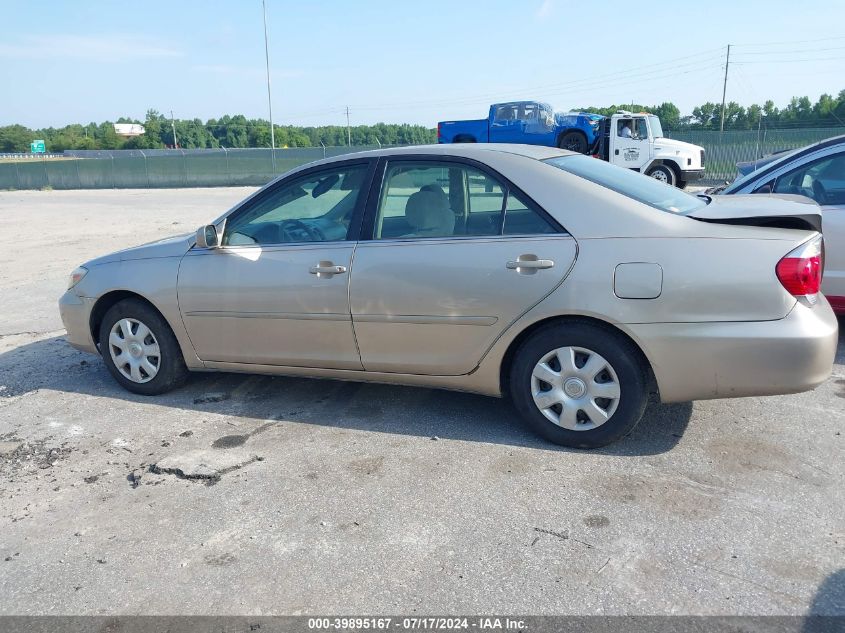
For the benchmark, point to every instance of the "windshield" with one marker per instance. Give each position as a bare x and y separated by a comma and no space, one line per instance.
656,128
629,183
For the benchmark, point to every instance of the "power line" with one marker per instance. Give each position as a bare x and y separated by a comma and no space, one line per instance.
759,44
802,50
593,79
789,61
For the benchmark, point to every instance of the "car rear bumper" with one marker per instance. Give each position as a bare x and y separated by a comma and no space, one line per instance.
76,312
699,361
838,304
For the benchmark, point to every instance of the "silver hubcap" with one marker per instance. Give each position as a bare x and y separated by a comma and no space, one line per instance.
660,175
134,350
575,388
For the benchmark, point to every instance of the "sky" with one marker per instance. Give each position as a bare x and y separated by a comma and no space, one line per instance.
404,62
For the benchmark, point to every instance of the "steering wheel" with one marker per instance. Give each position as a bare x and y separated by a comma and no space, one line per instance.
289,228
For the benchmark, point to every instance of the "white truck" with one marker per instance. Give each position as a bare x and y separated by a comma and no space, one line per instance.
636,141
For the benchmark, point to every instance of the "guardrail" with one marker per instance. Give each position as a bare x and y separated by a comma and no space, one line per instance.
27,155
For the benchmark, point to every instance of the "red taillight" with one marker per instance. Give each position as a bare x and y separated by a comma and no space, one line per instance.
800,271
438,131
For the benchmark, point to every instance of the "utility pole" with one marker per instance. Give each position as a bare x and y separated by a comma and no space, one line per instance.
173,127
269,97
725,88
348,130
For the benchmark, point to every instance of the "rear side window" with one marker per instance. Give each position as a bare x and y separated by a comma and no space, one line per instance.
448,199
520,219
629,183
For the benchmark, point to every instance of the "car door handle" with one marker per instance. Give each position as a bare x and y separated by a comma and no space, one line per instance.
530,264
326,269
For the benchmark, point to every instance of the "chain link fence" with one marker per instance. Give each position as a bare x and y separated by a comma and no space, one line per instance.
145,169
723,150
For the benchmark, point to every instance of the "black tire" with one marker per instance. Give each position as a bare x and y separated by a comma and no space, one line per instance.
681,184
663,173
574,142
623,357
464,139
171,370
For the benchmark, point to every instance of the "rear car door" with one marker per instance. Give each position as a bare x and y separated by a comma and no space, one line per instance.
455,255
275,292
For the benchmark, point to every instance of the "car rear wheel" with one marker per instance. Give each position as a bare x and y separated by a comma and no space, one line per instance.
574,142
579,385
663,173
140,350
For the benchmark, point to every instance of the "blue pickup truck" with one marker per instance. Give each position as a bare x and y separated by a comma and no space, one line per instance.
528,122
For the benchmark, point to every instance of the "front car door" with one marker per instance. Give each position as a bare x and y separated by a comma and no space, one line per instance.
540,127
630,151
455,255
275,292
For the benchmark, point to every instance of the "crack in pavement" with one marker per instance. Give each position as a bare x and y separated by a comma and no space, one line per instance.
201,472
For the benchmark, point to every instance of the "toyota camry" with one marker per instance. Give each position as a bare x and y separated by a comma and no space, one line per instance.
571,286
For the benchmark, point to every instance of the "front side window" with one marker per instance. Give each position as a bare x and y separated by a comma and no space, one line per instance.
314,208
822,180
656,128
442,199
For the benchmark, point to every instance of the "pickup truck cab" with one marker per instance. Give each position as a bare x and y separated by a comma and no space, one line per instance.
528,122
636,141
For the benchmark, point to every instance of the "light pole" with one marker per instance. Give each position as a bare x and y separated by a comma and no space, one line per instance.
269,97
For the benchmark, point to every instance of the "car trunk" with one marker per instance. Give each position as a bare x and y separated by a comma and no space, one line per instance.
766,210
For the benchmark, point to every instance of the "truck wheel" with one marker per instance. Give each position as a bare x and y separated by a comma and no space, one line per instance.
663,173
574,142
464,139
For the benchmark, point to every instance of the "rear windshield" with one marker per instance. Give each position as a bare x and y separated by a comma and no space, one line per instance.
629,183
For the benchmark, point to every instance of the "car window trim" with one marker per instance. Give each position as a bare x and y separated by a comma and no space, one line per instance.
355,223
371,211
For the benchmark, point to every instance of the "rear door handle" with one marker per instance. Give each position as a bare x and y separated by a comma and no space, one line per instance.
326,270
529,264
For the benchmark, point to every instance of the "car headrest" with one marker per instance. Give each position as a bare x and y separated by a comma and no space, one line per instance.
428,211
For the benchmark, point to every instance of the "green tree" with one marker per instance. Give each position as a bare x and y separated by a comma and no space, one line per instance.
15,138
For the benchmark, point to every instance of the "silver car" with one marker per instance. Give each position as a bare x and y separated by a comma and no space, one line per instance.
817,172
572,286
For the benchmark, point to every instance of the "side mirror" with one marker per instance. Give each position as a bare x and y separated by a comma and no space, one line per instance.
207,236
767,188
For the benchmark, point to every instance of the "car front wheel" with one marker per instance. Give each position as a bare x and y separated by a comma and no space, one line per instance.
579,385
140,350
